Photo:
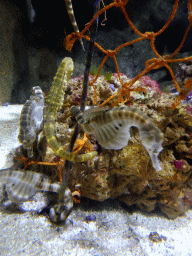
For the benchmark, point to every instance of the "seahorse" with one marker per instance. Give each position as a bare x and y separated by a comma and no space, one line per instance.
21,185
111,128
54,103
71,14
31,119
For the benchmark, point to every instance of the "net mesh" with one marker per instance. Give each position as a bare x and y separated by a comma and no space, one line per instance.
123,94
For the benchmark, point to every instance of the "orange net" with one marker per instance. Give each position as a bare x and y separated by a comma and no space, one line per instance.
150,64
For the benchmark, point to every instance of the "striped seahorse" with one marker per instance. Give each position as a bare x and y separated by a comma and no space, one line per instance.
31,119
54,103
71,14
111,128
21,185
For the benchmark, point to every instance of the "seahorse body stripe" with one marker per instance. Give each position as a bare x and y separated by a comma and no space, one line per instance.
111,128
71,14
31,118
21,185
55,101
60,81
61,211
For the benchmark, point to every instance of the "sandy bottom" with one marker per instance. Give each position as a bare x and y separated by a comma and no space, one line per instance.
113,229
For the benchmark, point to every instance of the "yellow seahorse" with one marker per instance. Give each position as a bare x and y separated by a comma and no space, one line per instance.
54,103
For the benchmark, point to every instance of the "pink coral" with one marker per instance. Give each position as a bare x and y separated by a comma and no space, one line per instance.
189,109
147,82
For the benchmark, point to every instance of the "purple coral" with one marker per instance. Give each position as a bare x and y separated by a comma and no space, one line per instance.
112,86
183,74
182,165
189,97
178,164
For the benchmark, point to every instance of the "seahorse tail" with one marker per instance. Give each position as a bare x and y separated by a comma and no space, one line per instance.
49,128
60,211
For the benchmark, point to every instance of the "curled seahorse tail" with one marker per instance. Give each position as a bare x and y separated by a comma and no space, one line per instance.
59,212
57,148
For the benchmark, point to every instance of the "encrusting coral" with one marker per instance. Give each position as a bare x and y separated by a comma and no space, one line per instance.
138,174
128,174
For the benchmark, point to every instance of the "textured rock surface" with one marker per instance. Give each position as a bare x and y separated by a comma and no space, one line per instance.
128,173
25,232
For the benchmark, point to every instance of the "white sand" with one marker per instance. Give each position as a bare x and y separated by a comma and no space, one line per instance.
114,232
